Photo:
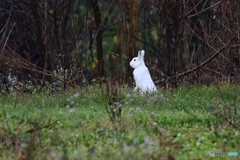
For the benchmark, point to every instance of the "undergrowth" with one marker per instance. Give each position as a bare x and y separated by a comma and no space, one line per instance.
185,123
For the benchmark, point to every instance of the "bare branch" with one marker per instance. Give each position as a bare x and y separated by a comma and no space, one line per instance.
203,63
204,10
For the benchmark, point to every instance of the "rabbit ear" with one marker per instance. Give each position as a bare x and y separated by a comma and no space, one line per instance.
142,53
139,54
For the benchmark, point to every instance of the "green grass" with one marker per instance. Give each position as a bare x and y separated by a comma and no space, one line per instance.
178,123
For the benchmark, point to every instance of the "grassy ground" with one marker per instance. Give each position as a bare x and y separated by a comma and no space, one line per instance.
186,123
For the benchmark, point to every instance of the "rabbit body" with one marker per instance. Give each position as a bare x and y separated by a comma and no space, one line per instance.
141,74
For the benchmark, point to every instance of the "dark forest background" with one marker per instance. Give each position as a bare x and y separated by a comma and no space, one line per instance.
74,42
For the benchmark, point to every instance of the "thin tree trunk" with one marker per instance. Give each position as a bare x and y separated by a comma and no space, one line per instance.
98,21
133,21
186,47
37,23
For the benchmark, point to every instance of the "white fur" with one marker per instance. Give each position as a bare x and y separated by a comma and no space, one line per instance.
141,74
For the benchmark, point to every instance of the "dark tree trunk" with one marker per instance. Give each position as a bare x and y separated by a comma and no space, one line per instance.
98,21
37,23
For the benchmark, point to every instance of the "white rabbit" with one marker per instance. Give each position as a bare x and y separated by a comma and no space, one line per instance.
141,74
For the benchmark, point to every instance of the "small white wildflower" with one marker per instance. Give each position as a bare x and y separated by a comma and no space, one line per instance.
138,108
116,103
146,140
101,129
128,95
165,98
53,154
71,110
76,95
154,123
68,106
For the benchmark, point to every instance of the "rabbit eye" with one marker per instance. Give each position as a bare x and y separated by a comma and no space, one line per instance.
134,59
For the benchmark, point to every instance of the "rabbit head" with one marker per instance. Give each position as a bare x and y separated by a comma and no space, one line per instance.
138,61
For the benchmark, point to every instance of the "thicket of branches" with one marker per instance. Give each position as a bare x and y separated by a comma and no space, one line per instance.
185,40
